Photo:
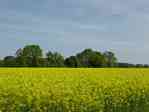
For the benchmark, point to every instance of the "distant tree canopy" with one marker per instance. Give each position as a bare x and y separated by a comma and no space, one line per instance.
54,59
9,61
72,61
110,59
32,56
90,58
29,56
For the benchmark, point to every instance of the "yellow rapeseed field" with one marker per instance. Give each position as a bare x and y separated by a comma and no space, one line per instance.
74,90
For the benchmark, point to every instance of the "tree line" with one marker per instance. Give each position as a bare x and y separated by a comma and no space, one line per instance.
32,56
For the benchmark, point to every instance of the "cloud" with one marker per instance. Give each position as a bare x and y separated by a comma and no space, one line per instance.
71,25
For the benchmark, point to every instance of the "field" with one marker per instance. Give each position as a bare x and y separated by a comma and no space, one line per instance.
74,90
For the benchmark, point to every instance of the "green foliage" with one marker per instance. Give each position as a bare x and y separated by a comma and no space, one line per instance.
21,61
90,58
9,61
32,51
55,59
111,60
72,61
1,63
32,56
29,56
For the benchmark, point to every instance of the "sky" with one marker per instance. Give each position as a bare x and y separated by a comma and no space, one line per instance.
69,26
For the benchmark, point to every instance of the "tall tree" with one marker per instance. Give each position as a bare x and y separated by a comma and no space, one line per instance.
111,60
72,61
32,54
1,63
20,59
55,59
90,58
19,52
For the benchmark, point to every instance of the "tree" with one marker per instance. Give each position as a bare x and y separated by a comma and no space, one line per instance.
125,65
9,61
139,65
97,60
19,52
1,63
72,61
90,58
20,59
32,54
111,60
146,65
55,59
32,51
43,62
84,57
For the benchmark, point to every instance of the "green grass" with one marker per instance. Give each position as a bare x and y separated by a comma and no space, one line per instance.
74,90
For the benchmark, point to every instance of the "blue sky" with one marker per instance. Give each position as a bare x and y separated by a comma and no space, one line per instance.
69,26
